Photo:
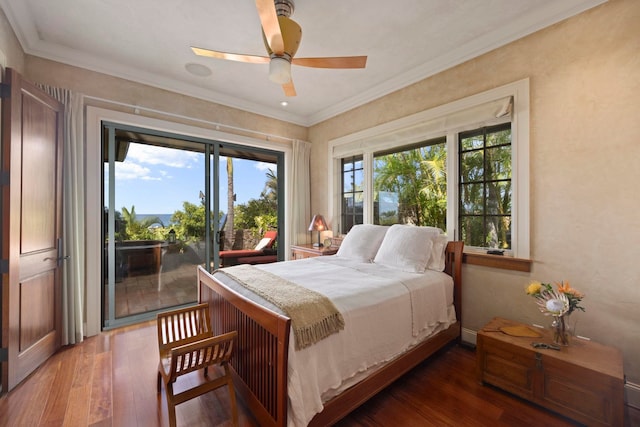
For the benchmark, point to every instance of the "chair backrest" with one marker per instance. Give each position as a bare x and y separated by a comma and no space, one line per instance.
200,354
271,235
183,326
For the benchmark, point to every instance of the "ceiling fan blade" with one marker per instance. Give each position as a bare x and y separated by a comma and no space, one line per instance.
254,59
289,89
335,62
270,25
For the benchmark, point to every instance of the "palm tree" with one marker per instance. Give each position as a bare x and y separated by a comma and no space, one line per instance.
230,201
270,192
418,178
138,229
435,186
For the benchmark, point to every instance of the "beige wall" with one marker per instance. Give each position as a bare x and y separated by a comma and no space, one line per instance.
9,45
584,158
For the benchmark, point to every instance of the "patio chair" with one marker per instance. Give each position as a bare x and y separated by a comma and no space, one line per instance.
263,253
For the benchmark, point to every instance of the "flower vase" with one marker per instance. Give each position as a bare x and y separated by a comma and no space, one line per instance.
560,330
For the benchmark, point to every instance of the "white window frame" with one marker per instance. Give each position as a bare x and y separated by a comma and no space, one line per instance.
482,109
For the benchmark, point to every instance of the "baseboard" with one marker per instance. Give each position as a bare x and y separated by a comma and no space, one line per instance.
468,336
632,394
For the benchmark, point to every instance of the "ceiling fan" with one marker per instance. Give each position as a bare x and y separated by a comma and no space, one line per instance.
282,37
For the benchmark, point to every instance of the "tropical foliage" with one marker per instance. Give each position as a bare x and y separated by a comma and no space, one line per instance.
260,214
485,191
130,227
411,187
188,224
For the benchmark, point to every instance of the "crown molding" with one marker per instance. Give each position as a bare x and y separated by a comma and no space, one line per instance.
22,23
512,31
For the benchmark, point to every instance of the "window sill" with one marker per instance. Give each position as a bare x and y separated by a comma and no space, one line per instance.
498,261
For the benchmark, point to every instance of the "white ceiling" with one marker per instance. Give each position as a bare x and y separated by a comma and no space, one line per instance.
149,41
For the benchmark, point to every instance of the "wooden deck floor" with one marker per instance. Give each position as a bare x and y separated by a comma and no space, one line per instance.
110,380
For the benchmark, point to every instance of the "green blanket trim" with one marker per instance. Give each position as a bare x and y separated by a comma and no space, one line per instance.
313,315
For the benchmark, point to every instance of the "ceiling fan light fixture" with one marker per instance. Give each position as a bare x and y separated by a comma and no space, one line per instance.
280,70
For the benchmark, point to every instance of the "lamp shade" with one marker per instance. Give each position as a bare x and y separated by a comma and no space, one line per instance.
279,70
318,223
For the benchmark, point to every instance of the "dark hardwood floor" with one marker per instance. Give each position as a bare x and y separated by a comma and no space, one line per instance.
110,380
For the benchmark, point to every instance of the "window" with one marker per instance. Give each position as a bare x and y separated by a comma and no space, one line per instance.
352,192
484,213
481,196
410,185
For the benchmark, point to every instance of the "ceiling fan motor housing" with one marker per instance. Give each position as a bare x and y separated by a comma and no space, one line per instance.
291,36
284,7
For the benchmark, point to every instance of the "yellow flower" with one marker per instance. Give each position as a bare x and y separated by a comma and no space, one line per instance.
534,288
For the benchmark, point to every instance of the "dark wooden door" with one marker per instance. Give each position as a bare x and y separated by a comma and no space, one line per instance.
31,160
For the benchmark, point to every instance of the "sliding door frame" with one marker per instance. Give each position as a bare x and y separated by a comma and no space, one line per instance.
95,118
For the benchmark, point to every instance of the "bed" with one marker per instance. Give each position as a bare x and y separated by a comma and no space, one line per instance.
269,371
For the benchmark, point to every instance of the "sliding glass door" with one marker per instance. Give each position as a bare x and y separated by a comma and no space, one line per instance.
172,203
248,190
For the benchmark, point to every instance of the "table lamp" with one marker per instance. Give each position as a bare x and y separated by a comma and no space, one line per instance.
318,224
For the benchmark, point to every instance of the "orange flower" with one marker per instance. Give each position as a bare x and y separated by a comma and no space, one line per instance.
565,288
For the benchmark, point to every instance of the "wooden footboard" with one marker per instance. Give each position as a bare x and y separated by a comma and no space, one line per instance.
260,363
261,357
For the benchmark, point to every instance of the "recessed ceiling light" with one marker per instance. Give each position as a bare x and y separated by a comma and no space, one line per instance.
284,103
198,69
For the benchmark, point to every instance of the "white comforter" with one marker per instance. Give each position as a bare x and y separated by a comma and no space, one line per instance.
386,311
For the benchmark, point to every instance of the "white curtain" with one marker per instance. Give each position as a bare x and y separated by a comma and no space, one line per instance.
73,171
300,192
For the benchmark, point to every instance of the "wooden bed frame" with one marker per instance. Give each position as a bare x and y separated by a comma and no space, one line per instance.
260,362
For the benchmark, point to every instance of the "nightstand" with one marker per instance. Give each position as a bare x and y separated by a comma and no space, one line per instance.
583,381
310,251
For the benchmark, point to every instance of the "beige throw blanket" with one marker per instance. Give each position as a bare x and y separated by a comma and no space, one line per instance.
313,315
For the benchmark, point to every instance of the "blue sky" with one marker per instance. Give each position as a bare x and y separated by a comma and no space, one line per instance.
158,180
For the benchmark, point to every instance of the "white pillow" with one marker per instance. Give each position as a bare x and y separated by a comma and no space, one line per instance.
263,243
362,242
407,248
437,260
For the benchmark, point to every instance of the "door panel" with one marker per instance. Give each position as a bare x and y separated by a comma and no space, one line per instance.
37,291
155,239
38,227
31,228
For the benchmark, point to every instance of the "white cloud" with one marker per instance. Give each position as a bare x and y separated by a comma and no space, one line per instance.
263,166
162,156
129,170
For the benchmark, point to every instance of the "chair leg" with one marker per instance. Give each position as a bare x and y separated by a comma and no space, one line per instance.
171,407
159,382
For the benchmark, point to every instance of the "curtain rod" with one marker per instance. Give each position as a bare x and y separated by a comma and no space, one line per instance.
137,108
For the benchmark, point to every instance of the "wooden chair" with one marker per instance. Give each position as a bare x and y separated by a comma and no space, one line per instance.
186,344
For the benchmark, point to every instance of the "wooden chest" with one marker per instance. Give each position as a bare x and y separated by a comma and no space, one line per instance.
583,381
